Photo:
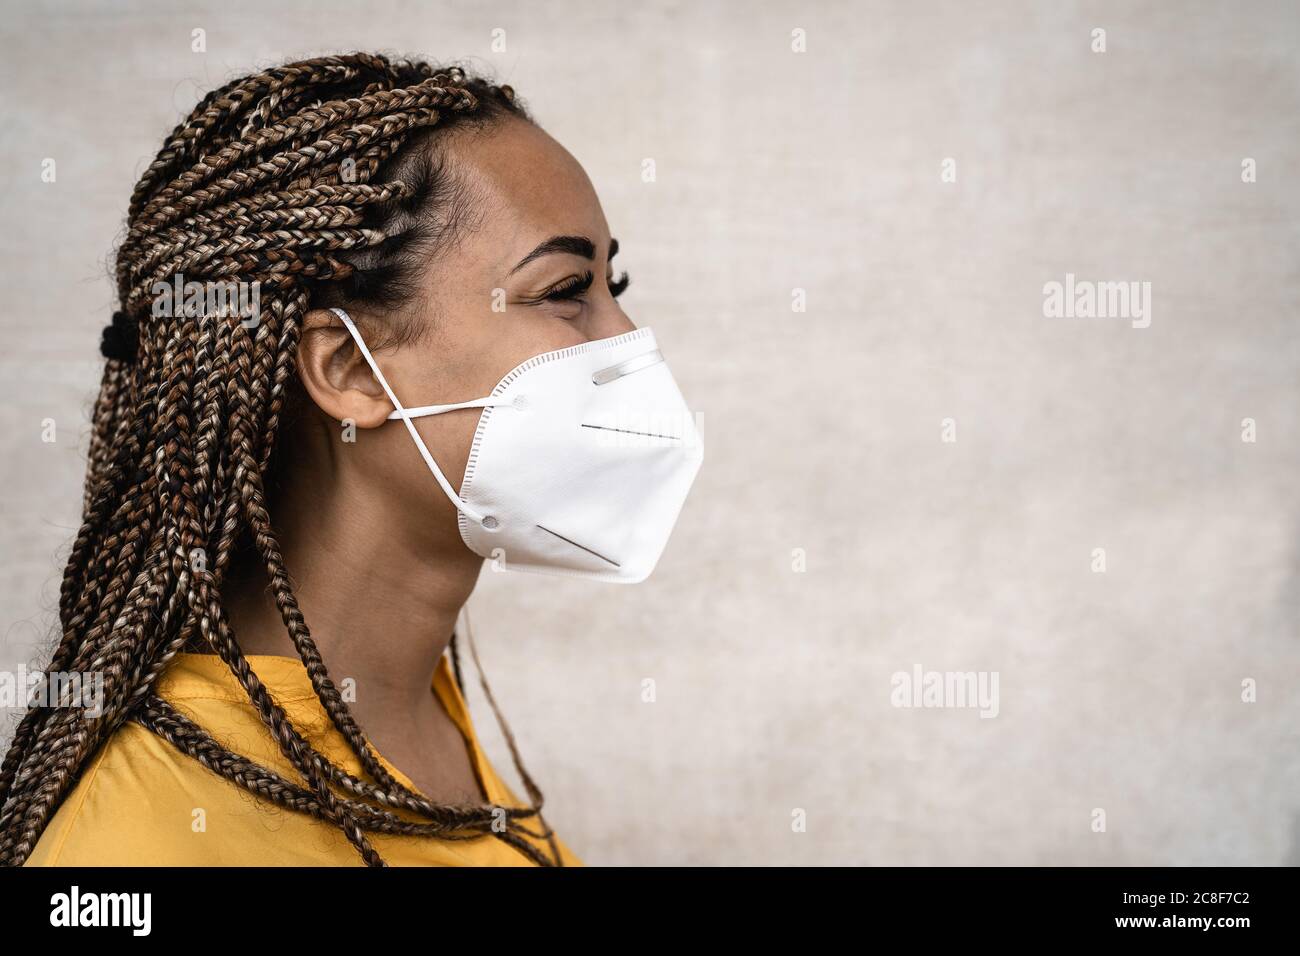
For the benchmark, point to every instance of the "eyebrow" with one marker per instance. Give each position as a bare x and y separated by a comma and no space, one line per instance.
568,245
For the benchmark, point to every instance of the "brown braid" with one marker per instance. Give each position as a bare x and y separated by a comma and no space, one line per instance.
316,181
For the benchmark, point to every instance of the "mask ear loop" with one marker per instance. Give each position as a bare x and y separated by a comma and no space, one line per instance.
406,415
420,411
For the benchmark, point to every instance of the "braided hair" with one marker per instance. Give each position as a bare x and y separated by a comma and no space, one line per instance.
314,182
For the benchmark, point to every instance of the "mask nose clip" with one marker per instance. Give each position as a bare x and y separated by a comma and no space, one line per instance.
634,364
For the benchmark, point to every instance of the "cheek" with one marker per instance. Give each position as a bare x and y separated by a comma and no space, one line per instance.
509,339
449,437
396,465
397,470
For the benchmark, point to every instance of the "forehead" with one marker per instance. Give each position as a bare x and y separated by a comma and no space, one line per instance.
526,187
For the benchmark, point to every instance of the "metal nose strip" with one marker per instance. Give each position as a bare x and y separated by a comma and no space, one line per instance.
615,372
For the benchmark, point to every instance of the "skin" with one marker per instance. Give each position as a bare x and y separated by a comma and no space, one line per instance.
379,567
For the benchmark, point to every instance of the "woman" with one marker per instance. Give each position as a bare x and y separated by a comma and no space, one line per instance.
343,281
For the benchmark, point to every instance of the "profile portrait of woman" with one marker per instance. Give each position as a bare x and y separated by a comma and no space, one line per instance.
367,338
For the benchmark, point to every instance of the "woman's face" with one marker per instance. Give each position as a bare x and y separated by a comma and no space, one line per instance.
529,272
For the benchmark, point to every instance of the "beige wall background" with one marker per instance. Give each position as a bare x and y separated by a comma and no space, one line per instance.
820,171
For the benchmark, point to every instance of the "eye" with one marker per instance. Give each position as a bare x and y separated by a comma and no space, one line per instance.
616,288
574,287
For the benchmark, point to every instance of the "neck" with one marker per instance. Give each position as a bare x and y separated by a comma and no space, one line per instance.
380,603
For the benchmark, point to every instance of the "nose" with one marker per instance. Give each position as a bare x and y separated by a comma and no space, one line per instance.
607,319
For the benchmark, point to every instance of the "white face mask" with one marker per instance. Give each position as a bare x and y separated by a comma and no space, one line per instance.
581,461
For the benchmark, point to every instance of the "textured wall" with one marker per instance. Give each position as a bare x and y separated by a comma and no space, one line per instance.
822,171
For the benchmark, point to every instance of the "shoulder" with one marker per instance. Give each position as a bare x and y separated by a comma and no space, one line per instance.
106,818
141,802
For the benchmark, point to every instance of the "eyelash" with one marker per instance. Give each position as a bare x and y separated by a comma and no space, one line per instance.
577,286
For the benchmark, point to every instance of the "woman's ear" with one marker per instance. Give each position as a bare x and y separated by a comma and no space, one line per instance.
336,375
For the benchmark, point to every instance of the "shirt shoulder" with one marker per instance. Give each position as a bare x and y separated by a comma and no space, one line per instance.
144,802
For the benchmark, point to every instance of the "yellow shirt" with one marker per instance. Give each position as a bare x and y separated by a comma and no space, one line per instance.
139,801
